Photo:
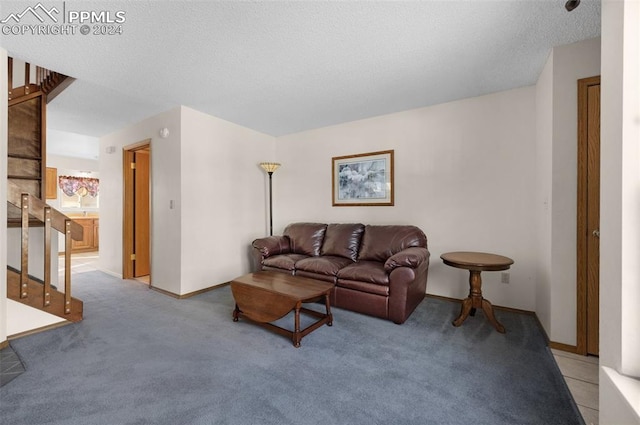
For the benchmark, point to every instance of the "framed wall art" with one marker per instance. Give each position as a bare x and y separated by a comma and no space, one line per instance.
363,180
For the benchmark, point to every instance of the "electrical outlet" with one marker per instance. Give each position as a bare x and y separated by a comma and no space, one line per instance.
505,277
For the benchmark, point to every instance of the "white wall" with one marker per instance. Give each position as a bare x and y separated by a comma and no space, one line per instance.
544,157
464,173
3,195
36,251
165,177
223,198
620,222
557,117
209,168
570,63
66,144
22,318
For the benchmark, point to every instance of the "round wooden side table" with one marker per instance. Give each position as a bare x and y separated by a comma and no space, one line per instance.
477,262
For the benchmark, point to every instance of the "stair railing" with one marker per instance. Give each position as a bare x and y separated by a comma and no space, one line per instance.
49,82
32,207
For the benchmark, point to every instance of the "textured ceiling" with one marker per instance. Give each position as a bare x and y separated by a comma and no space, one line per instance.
283,67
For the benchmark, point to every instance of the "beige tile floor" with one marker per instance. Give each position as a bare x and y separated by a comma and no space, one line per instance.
580,372
85,262
581,375
80,262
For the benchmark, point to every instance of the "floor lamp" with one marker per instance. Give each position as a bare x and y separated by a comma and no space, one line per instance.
270,167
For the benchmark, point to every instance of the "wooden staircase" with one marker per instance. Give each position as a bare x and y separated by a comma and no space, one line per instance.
48,82
27,125
26,172
23,288
54,303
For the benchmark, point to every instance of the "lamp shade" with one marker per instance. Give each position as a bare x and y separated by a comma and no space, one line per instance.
269,167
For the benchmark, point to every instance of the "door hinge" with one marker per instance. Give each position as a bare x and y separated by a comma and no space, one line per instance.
133,165
133,257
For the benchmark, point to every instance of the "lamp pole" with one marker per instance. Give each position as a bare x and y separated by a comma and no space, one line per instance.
270,205
270,167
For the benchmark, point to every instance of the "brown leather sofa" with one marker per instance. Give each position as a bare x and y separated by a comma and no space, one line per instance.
377,270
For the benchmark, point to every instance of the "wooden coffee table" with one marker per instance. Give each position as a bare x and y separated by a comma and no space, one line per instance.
265,297
477,262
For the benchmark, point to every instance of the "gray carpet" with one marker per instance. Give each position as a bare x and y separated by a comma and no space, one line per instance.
141,357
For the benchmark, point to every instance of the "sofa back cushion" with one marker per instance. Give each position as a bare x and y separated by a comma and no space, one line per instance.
381,242
343,240
305,238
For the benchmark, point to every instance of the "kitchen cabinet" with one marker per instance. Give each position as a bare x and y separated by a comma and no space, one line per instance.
90,240
51,183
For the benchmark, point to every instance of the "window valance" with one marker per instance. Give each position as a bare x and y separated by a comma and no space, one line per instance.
82,186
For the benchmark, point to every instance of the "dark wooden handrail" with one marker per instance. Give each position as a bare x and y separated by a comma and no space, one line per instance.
30,206
37,206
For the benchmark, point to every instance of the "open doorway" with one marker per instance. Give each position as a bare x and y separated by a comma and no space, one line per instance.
137,212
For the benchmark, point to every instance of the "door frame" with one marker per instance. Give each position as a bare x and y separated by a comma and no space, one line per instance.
128,203
582,224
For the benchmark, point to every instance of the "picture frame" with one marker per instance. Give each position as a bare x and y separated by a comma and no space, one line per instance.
363,180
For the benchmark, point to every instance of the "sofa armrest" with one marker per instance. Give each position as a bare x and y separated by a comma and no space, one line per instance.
411,257
272,245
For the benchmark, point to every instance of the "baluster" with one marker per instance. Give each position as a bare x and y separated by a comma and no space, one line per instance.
24,253
45,80
10,87
38,75
27,71
67,266
46,294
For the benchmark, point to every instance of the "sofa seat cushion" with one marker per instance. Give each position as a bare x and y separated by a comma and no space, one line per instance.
363,287
366,276
369,288
326,265
284,261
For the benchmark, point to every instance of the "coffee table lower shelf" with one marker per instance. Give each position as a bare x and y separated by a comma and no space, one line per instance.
296,335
